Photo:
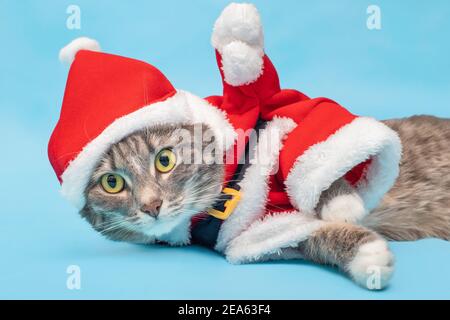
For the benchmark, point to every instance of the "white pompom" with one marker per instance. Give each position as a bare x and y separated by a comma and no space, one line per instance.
241,64
238,36
67,54
238,22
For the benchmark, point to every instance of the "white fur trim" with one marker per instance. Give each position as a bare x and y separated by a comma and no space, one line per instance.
238,36
254,186
183,107
325,162
68,53
373,265
267,238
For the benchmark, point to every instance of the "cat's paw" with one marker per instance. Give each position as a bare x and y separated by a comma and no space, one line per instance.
344,208
372,266
238,36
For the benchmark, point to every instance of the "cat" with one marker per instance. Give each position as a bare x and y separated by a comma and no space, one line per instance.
152,205
303,190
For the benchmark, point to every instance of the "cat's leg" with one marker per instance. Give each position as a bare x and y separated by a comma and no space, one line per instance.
341,203
357,251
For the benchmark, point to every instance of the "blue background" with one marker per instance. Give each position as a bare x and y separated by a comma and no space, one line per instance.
322,48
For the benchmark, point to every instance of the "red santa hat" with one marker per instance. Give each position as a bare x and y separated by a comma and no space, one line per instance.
108,97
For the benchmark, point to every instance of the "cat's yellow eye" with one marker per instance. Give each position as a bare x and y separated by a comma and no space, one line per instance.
165,160
112,183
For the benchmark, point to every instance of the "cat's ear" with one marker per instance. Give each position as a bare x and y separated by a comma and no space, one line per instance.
68,53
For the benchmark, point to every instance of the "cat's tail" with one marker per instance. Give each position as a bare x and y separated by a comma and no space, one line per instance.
408,224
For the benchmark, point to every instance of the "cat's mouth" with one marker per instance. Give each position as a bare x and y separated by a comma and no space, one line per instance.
182,213
169,220
162,225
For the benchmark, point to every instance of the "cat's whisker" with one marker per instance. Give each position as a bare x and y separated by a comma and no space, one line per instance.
200,200
213,186
113,220
200,195
198,191
106,223
115,225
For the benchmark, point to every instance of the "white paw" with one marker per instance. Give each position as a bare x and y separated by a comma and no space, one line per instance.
346,208
238,36
373,265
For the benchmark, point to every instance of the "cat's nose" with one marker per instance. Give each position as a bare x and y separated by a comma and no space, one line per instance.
152,208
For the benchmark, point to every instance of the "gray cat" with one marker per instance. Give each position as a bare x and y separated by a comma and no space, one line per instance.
312,176
148,203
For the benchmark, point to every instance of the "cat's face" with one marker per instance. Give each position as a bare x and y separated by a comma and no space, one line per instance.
152,181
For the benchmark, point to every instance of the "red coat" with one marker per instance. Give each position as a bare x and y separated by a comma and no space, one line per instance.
321,142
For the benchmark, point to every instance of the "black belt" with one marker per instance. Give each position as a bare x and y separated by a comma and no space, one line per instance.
206,231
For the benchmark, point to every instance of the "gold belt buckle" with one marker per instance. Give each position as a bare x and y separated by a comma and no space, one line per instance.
229,205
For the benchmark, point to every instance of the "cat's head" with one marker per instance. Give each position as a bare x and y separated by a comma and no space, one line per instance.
152,181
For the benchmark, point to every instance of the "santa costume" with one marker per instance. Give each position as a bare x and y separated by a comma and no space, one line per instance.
305,146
